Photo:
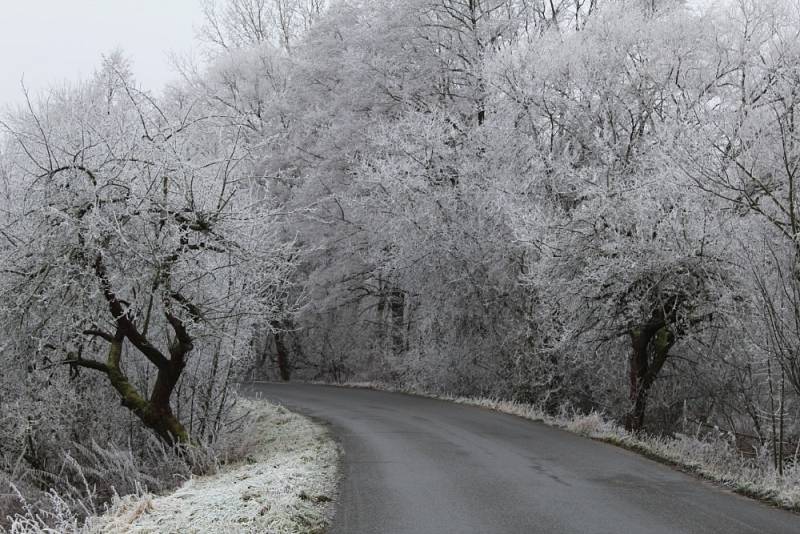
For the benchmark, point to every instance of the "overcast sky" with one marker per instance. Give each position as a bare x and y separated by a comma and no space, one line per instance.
49,41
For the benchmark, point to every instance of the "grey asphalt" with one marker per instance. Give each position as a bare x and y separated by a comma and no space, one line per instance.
423,466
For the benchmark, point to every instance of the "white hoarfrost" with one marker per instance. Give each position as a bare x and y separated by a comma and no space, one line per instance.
286,486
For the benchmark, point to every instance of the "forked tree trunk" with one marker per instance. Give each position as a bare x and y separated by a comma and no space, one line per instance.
650,347
155,413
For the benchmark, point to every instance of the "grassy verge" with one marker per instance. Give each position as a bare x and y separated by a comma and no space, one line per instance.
712,458
285,484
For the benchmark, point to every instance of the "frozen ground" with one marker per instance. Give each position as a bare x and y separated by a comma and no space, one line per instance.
286,486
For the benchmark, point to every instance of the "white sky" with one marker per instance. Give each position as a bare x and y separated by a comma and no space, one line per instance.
49,41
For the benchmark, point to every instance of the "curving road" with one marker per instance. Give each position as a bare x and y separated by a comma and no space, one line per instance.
422,466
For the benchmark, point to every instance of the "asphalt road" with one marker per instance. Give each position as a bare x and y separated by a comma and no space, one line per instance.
422,466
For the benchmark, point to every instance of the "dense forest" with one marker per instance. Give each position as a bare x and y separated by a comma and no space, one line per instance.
586,205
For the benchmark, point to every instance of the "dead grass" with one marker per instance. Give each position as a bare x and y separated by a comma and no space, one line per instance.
285,485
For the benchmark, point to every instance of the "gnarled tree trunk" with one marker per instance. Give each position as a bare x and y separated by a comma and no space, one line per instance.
155,412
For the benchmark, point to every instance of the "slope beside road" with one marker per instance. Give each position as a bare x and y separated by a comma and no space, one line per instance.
423,466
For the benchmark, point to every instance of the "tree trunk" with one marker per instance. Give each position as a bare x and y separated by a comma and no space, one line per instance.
640,339
156,413
279,330
397,307
163,422
283,357
159,416
650,347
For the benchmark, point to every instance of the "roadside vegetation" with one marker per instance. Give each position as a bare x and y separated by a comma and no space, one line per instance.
280,477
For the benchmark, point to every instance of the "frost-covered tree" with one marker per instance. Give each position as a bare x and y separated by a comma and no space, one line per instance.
130,235
741,148
622,248
242,24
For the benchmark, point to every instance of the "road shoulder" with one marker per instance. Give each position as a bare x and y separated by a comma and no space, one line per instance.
288,485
